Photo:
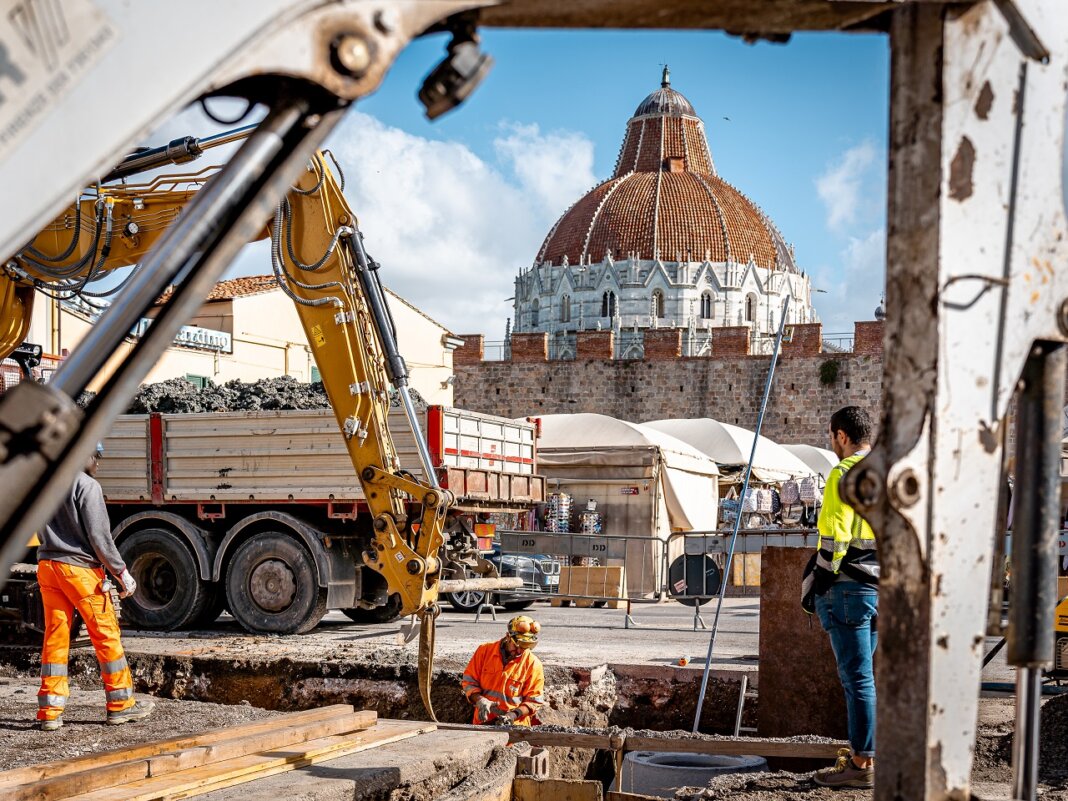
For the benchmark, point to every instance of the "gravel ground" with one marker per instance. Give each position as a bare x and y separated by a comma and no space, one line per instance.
85,731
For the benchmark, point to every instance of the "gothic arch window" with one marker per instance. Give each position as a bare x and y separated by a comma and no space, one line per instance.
750,308
534,313
706,305
565,309
608,304
658,303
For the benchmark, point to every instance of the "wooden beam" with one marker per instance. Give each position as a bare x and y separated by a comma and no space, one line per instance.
120,773
754,746
50,770
554,739
188,783
525,788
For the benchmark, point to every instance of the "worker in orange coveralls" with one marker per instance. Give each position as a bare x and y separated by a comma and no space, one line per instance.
504,681
75,548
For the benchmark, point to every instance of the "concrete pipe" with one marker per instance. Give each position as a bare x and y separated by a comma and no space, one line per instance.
661,774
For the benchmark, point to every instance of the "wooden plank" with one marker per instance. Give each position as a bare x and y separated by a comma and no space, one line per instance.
546,738
614,796
196,781
733,746
525,788
48,770
736,746
62,787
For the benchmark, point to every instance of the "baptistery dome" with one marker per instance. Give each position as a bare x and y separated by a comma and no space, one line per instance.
664,242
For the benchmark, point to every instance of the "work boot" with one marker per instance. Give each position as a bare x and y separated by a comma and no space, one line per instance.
50,725
139,711
845,773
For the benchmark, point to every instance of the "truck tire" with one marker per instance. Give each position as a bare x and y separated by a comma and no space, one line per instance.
380,614
169,591
272,587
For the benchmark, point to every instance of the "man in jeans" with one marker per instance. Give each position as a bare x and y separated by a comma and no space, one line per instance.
845,583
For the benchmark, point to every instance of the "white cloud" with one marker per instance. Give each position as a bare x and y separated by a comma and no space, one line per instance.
450,229
556,167
841,187
852,290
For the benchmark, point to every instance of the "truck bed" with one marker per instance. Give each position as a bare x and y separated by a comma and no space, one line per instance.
300,457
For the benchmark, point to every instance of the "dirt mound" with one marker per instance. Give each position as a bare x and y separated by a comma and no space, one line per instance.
178,396
1053,753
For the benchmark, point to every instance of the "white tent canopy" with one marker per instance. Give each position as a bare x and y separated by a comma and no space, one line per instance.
612,448
730,446
821,460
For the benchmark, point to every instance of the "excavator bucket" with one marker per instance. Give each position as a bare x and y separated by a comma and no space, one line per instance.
426,656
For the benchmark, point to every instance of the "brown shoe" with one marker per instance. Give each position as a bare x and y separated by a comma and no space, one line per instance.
139,711
846,774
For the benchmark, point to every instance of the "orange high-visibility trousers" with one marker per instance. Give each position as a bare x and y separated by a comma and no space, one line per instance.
65,588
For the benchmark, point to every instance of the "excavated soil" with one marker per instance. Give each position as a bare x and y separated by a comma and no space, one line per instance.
178,396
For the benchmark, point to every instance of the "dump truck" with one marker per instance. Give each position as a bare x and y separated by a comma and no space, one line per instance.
260,512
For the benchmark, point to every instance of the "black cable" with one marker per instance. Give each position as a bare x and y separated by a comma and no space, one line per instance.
226,123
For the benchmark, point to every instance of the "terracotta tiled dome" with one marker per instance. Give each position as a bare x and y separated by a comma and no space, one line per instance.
665,200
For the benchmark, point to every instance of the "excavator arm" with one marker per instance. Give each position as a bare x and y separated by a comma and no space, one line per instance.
319,261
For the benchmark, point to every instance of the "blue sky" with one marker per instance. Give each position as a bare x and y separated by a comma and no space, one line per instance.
454,208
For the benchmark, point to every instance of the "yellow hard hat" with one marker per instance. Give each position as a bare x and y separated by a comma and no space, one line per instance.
523,631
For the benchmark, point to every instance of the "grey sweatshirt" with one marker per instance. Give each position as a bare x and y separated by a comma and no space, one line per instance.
80,533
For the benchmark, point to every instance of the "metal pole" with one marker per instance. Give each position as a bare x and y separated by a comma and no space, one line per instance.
1036,522
738,519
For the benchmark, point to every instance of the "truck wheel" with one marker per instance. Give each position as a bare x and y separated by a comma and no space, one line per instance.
271,586
169,591
380,614
467,601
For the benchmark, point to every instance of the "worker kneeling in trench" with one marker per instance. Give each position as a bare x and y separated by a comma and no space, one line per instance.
504,681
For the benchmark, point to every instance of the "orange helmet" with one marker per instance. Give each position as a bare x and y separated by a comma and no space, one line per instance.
523,631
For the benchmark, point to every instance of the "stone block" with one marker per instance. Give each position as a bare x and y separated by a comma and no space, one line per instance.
531,347
662,343
806,339
868,337
595,344
472,351
730,342
799,688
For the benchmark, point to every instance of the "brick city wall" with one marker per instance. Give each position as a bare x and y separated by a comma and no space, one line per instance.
727,389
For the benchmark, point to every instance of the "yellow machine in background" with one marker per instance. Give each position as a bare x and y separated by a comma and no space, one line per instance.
319,261
1060,630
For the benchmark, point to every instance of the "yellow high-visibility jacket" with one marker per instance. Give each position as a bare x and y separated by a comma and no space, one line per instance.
847,546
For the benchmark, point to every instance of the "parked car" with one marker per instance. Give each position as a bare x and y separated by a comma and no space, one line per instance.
541,579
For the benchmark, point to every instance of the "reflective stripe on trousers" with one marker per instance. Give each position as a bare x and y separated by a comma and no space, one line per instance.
64,589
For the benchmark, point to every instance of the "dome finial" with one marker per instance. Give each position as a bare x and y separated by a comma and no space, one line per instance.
665,78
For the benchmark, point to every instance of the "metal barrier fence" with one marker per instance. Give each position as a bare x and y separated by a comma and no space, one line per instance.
619,571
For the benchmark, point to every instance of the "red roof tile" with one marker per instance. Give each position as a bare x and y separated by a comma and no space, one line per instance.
232,288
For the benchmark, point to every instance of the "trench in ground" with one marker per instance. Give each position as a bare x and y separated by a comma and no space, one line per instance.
624,696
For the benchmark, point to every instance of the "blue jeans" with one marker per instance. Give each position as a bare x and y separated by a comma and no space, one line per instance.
848,612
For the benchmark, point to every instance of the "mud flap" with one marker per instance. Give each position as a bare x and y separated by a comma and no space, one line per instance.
428,620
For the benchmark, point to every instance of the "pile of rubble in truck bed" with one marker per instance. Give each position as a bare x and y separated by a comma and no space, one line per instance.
178,396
